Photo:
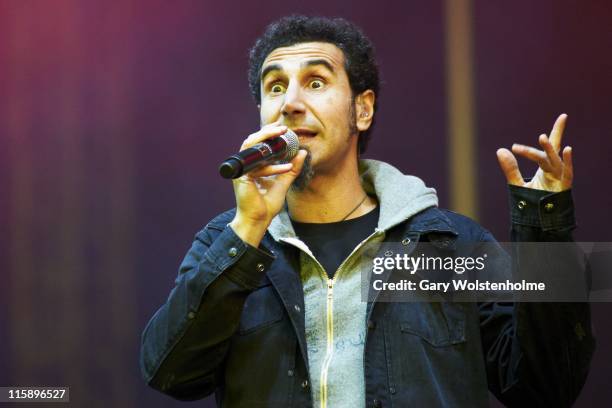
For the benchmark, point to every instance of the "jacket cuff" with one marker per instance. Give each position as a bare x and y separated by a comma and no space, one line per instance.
239,261
542,209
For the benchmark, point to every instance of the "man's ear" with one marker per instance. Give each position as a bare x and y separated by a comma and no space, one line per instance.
364,108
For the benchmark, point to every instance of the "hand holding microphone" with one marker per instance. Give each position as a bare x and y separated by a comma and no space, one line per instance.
279,148
260,197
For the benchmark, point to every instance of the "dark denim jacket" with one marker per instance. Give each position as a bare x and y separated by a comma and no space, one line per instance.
234,325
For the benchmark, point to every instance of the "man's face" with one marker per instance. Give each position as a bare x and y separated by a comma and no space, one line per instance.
306,87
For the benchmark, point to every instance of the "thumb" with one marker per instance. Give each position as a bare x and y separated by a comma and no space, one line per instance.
509,166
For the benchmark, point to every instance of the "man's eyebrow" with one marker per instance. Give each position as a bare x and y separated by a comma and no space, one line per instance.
270,68
323,62
310,63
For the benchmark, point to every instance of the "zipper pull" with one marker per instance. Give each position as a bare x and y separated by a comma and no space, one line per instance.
330,288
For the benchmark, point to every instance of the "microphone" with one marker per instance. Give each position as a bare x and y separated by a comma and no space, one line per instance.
283,147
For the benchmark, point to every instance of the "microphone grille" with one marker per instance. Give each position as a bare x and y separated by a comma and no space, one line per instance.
293,144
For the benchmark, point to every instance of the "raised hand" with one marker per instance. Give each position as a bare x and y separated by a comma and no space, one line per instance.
555,173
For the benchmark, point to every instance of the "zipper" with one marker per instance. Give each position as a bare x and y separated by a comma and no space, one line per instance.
330,310
330,342
330,320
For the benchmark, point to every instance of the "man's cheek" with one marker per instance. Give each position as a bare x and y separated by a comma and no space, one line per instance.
269,111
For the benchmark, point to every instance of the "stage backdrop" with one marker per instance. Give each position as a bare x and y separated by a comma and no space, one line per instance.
115,115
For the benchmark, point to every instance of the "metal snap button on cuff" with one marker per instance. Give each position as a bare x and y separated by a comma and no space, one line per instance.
232,252
521,204
405,241
260,267
579,331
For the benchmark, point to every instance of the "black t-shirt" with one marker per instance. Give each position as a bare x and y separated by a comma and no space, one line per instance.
332,242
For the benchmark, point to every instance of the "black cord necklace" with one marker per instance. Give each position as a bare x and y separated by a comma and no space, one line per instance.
354,209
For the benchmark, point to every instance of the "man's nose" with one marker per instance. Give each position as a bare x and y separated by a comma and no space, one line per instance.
293,103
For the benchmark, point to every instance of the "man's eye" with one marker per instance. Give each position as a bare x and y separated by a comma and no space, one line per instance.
277,88
316,84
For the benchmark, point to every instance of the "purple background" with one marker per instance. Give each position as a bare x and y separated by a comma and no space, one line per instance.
115,115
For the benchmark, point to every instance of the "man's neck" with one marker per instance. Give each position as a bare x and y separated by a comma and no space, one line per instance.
331,197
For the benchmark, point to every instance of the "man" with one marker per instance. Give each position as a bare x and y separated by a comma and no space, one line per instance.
267,307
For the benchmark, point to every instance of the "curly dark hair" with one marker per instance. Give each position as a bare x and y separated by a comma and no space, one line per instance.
360,64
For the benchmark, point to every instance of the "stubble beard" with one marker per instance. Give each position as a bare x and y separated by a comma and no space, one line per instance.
308,172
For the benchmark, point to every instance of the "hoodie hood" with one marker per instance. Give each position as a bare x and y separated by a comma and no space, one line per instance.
399,196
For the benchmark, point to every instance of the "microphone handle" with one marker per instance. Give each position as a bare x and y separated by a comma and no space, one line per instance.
254,157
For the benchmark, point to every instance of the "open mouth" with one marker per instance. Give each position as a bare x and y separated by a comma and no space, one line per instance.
305,133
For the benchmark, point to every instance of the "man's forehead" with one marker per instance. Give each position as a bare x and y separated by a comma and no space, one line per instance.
306,51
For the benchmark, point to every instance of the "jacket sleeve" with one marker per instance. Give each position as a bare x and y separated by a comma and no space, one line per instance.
538,353
184,344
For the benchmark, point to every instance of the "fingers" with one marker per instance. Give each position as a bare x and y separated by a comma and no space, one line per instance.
557,132
534,155
552,155
285,174
268,131
509,166
568,169
297,163
271,170
554,171
283,181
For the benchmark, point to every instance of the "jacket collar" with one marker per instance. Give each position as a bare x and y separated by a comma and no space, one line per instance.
432,220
